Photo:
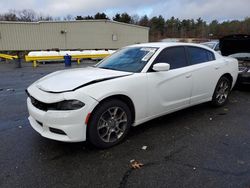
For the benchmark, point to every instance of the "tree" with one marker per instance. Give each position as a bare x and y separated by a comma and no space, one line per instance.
100,16
144,21
157,27
124,17
135,19
200,28
8,17
213,28
27,15
88,18
68,18
41,17
79,18
117,17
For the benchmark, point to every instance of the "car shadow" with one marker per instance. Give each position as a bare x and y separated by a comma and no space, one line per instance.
169,123
242,87
171,120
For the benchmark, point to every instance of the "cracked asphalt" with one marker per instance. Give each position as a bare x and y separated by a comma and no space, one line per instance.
198,147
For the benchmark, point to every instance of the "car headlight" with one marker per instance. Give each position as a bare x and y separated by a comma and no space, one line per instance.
66,105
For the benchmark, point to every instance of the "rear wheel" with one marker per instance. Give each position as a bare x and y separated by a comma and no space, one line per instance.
109,123
222,90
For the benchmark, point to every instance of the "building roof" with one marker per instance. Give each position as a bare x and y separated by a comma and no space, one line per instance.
73,21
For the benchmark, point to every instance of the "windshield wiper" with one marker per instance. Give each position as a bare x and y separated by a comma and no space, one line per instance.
106,68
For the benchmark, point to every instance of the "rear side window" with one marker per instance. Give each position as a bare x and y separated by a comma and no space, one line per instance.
199,55
217,47
175,56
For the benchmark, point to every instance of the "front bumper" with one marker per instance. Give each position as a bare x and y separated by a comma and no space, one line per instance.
66,126
244,77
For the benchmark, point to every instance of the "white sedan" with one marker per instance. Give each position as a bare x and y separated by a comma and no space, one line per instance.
132,86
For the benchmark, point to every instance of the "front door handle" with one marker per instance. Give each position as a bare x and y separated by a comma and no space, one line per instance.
188,75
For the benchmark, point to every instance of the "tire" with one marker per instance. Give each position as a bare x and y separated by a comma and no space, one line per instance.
109,124
221,92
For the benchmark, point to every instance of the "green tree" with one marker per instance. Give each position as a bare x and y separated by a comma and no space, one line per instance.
100,16
144,21
157,28
79,18
124,17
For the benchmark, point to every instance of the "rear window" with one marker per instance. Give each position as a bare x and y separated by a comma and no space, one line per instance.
199,55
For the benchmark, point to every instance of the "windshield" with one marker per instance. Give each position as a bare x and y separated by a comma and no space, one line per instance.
130,59
209,44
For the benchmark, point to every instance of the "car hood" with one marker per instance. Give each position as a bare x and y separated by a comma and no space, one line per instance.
70,80
235,44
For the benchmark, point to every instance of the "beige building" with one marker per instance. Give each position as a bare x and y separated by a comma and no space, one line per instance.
69,35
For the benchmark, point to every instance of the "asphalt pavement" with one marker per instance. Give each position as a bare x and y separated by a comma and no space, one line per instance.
201,146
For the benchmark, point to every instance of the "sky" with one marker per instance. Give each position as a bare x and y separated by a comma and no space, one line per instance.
208,10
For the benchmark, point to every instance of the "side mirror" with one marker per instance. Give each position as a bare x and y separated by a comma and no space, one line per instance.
158,67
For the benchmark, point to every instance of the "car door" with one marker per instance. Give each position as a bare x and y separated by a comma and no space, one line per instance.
205,73
169,90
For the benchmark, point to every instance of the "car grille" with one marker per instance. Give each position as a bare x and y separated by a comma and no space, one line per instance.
243,69
38,104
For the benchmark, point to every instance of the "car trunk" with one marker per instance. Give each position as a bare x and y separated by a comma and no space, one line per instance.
237,46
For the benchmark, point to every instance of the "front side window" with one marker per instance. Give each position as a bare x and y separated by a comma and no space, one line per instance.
199,55
130,59
174,56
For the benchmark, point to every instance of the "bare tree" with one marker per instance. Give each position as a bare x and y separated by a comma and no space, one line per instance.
135,19
41,17
68,18
27,15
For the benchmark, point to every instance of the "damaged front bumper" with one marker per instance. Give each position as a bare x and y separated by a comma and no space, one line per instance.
61,125
244,73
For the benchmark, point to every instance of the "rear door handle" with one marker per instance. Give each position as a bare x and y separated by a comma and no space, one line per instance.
188,75
216,67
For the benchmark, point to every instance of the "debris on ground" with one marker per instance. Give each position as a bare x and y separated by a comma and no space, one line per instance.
10,89
222,113
20,127
134,164
240,162
144,147
226,134
234,101
226,109
210,119
194,168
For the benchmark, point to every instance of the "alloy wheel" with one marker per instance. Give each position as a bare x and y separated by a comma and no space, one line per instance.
112,124
222,91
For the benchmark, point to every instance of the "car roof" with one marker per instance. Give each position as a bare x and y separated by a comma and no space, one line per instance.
214,41
167,44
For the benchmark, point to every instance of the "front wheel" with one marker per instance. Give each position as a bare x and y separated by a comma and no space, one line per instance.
109,123
222,90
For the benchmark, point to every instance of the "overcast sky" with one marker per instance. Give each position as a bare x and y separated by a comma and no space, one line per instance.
206,9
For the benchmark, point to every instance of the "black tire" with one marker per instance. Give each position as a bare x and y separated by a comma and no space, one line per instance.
220,96
103,130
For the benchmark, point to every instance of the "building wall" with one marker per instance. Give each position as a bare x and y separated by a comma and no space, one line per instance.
87,34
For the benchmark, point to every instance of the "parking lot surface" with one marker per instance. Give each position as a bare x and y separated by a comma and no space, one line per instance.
200,146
